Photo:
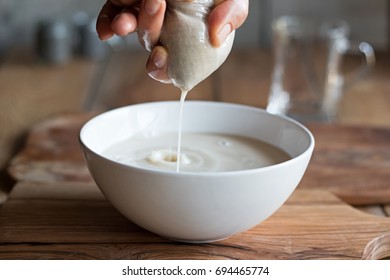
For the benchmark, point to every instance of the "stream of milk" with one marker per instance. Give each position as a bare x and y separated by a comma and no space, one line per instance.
182,99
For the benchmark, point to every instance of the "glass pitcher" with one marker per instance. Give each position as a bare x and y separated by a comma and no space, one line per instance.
307,81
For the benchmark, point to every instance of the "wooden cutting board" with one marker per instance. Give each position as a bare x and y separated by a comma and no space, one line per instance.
351,162
55,210
74,221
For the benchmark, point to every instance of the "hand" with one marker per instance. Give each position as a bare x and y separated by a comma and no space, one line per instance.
122,17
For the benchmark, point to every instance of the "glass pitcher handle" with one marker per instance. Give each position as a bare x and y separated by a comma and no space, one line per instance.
337,83
369,61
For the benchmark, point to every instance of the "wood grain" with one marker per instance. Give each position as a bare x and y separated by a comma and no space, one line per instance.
387,209
377,210
378,248
65,217
30,93
52,152
350,161
55,210
311,225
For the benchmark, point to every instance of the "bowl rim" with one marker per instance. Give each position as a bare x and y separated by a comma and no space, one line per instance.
308,150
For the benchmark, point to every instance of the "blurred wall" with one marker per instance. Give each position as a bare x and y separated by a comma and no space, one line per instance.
22,16
368,19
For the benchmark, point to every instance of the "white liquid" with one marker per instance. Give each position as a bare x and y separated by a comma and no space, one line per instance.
178,156
200,152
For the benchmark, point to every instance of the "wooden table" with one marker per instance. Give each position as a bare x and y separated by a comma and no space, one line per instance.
55,211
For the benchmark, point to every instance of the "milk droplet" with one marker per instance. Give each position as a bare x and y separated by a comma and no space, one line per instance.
224,143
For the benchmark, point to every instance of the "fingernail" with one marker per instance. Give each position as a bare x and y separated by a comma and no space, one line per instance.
121,26
224,32
159,59
104,17
152,6
105,37
156,76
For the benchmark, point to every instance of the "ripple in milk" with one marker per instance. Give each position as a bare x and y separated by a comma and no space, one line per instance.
200,152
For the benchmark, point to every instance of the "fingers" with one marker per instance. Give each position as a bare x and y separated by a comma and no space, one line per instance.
150,21
157,65
151,18
114,18
103,24
122,17
124,3
227,16
125,22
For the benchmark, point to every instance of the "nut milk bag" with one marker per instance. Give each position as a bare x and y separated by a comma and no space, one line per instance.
192,58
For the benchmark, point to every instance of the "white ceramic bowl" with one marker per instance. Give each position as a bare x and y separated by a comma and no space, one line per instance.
188,206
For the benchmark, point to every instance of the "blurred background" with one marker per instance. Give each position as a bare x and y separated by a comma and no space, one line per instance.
51,62
368,19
